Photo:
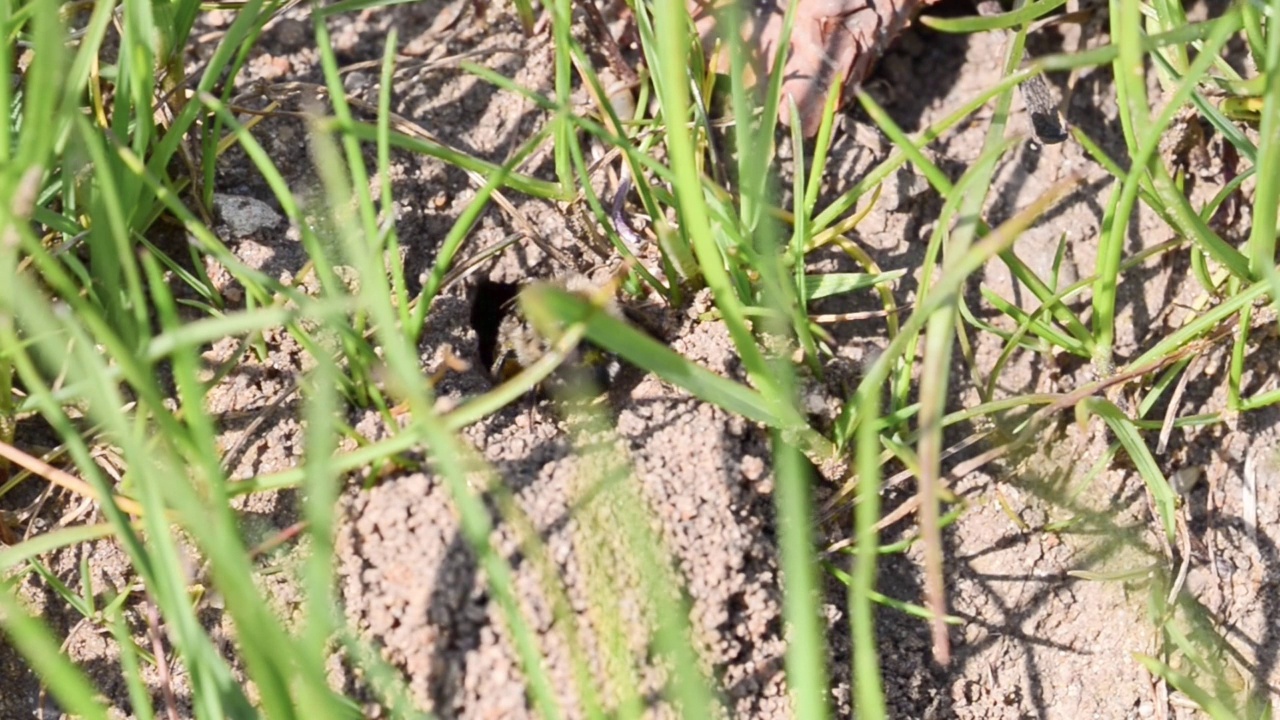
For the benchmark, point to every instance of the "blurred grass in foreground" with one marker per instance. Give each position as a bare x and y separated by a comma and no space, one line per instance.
102,147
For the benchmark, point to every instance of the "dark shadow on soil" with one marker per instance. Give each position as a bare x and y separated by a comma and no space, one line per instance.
1007,616
919,68
22,695
1105,536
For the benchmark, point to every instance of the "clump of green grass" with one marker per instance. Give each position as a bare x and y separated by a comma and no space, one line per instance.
90,323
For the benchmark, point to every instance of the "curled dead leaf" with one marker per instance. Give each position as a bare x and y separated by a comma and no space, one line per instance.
834,44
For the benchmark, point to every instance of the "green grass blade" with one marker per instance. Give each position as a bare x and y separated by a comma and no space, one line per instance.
67,683
1215,708
648,354
1140,454
1262,237
1001,21
806,666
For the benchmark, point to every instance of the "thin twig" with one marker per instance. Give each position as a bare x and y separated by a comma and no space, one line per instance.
162,664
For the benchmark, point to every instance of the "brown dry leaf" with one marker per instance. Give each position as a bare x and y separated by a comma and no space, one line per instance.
834,43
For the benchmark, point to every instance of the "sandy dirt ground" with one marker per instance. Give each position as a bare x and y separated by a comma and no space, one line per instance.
1039,638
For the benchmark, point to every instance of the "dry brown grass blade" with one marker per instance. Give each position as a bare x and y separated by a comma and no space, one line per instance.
61,478
933,388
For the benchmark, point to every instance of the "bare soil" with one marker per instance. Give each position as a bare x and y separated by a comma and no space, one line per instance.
1036,641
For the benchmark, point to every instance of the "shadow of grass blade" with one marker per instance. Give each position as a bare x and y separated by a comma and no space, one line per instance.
1214,707
1140,454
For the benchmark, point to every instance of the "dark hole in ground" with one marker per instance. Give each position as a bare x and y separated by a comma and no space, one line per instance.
490,304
